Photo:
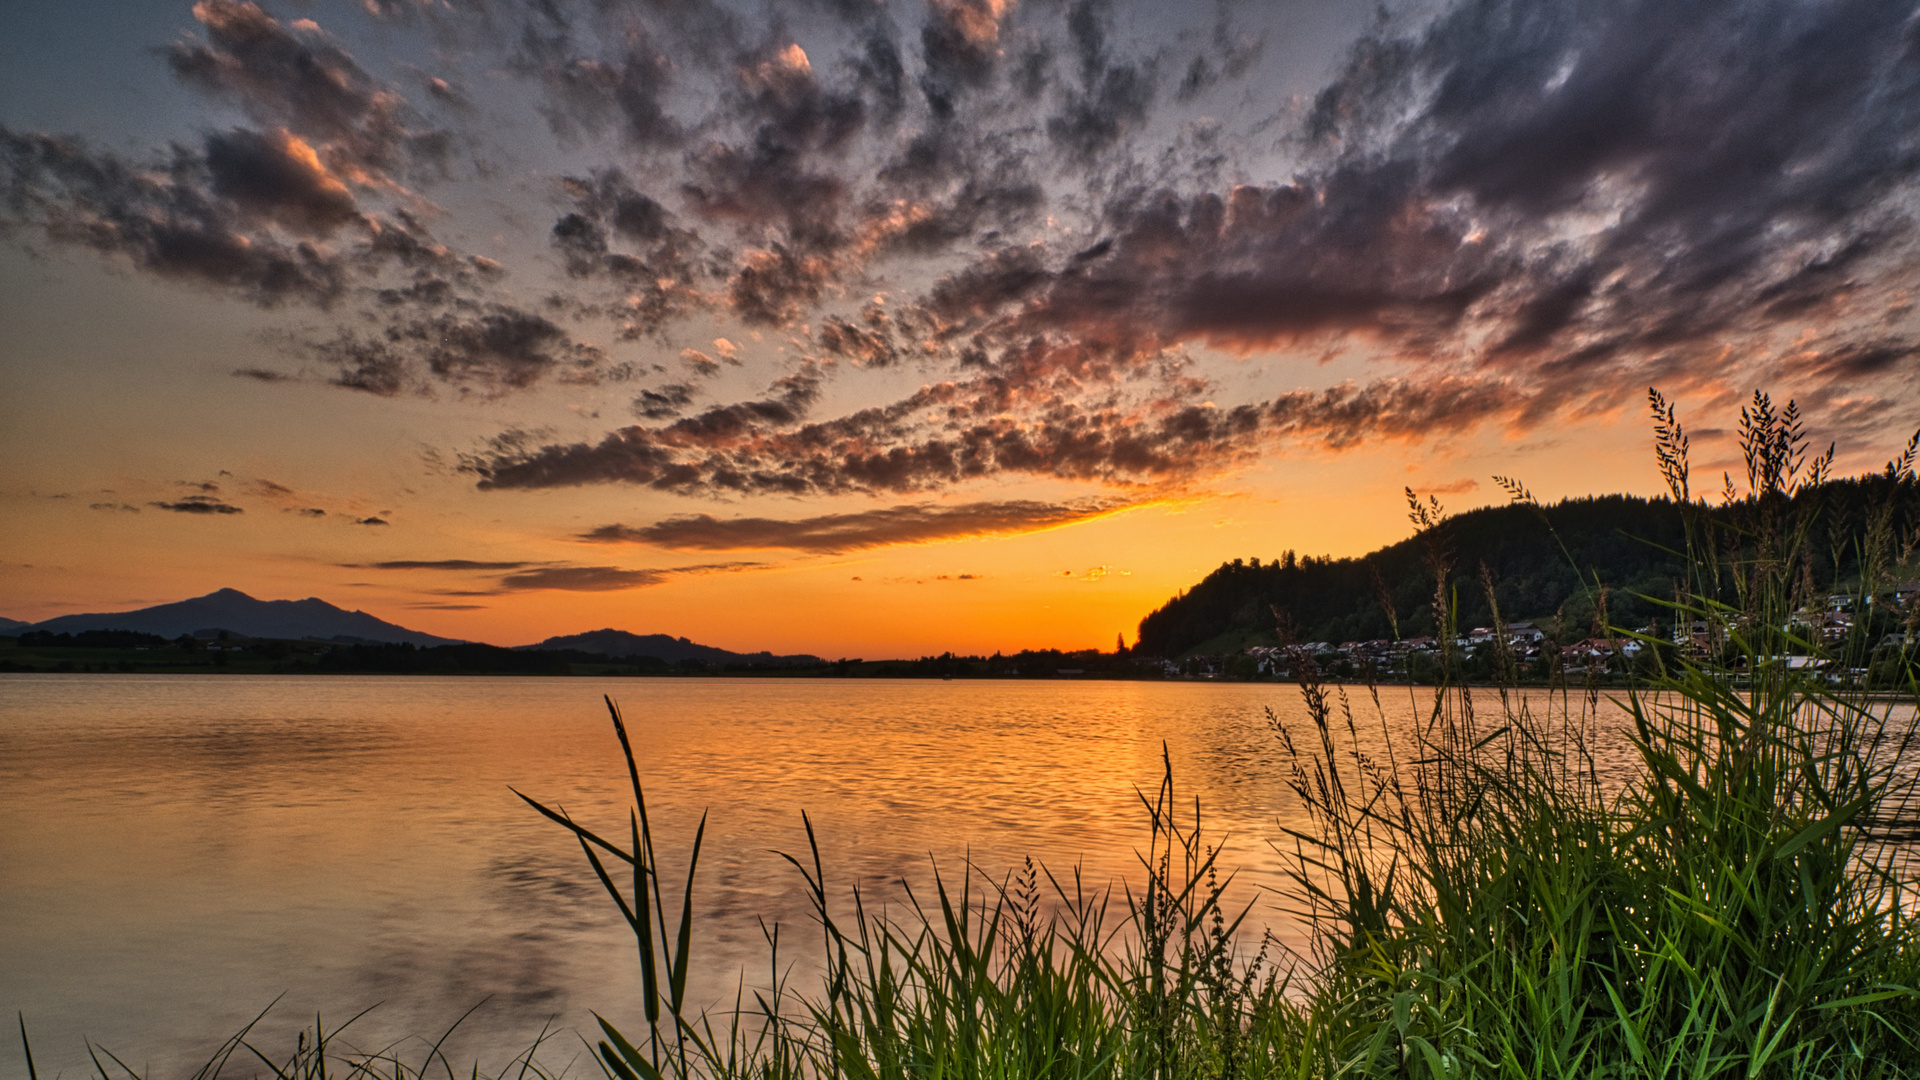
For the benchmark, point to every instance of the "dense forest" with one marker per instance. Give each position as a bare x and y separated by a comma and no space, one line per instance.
1543,562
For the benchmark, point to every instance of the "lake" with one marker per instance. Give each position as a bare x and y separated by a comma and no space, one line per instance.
177,851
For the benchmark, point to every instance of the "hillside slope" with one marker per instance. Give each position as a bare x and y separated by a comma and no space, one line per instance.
1537,558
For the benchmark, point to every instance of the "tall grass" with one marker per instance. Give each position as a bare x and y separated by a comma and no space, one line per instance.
1033,976
318,1053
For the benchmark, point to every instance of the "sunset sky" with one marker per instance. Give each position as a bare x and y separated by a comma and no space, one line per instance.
883,327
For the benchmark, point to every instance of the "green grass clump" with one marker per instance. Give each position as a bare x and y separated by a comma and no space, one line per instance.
1737,905
1495,910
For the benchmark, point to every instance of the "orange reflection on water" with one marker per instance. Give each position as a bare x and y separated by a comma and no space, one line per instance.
181,849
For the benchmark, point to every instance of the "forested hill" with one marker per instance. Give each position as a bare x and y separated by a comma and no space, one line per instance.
1626,541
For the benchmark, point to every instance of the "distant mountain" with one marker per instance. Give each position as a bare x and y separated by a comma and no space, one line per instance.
619,643
8,626
236,612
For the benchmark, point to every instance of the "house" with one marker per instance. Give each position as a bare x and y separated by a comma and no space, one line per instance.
1525,633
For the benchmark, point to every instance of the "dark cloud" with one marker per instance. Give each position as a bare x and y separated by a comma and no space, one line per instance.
1848,361
437,564
622,91
198,504
882,75
278,178
873,451
773,285
959,45
371,521
264,375
365,364
952,434
663,402
520,576
984,288
117,507
1111,97
582,579
911,524
298,78
657,270
276,214
255,214
497,344
1513,208
1342,416
492,347
1234,52
871,344
1644,176
164,219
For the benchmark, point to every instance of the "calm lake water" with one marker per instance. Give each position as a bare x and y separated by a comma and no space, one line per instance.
178,851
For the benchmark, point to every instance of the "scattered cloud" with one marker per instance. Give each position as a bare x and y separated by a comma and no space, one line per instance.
1452,487
1499,213
581,579
197,504
931,580
907,524
296,79
438,564
511,576
607,578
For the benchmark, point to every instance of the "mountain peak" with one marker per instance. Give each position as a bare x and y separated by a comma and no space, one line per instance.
232,610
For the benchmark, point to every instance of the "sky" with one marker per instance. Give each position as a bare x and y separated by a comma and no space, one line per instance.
887,328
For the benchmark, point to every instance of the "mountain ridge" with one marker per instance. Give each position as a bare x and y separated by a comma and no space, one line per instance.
622,643
234,611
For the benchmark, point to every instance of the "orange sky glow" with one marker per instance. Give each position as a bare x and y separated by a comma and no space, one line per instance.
892,330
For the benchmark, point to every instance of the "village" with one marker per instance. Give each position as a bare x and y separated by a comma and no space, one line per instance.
1530,650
